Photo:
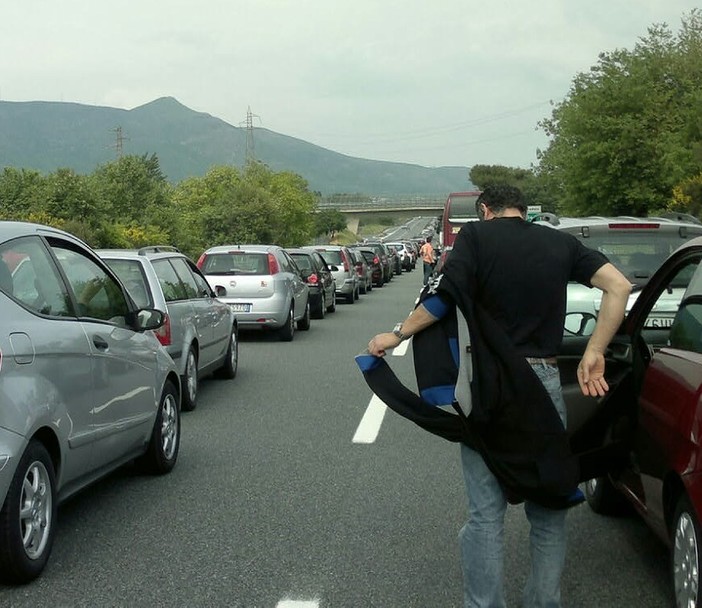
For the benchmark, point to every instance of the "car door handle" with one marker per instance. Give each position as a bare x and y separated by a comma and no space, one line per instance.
100,343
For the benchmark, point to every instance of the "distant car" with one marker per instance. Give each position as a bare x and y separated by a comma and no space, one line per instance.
395,258
375,267
319,279
404,253
650,419
384,256
636,246
86,387
262,285
338,258
363,271
200,333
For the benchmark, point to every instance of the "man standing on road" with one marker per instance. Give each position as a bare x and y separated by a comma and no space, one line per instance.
428,259
516,274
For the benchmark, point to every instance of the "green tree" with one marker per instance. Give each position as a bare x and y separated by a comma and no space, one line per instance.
629,130
328,222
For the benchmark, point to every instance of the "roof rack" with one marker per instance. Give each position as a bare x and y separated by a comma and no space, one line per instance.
157,249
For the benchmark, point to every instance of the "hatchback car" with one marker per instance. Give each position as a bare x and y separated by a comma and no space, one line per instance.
363,271
319,279
650,419
85,386
200,332
403,252
262,285
636,246
383,254
338,258
375,268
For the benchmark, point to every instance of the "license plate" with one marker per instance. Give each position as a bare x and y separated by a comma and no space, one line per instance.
659,322
241,307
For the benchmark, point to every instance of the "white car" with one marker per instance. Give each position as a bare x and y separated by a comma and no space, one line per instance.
637,247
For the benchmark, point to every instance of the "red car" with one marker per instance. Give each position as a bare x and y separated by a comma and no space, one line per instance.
650,423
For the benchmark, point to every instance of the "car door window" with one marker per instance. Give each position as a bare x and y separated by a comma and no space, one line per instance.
686,332
186,277
204,289
97,294
32,278
172,287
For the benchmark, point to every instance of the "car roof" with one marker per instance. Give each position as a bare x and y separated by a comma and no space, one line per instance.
250,247
667,223
10,229
151,252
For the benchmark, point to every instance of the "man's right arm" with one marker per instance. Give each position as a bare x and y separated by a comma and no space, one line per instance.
616,289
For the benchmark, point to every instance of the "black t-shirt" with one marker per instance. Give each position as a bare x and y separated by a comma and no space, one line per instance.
519,272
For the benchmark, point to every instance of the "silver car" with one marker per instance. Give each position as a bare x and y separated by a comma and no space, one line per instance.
85,386
339,260
262,285
200,332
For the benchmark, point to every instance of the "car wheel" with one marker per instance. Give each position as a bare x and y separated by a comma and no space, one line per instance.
189,381
161,455
27,519
381,282
369,285
321,310
685,556
231,359
332,306
351,297
304,323
604,498
357,293
287,331
363,289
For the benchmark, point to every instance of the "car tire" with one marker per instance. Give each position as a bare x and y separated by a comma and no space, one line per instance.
357,293
381,282
161,455
685,547
304,323
321,310
28,517
363,291
332,306
231,359
604,498
287,331
351,297
369,285
189,381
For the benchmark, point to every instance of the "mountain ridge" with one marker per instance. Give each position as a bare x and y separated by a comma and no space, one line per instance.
46,135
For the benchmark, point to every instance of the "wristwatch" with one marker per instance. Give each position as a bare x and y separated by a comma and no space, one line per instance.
398,332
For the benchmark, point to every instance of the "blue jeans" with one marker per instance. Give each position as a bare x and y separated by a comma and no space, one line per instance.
482,537
428,269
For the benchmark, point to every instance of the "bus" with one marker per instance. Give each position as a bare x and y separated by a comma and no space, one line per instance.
458,209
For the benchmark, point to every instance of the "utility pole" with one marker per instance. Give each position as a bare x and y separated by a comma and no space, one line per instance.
250,152
119,141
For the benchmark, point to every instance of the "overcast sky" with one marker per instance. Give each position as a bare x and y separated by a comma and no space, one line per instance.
441,82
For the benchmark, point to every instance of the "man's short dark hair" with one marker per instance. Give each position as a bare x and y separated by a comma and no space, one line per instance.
497,198
428,239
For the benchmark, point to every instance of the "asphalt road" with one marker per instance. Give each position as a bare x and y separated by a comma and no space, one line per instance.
272,505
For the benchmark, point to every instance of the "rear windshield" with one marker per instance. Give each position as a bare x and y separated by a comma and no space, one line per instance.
302,260
131,273
462,207
332,257
236,262
368,255
637,254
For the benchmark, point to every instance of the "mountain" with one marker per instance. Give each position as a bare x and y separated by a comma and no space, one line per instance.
45,136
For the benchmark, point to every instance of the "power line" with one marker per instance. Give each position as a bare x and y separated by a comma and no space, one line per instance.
250,147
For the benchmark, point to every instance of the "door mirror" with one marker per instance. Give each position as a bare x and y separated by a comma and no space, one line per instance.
220,291
146,318
580,323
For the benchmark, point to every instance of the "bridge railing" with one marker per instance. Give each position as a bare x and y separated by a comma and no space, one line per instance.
384,204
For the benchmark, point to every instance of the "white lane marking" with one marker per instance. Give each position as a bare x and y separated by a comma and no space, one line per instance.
368,429
286,603
401,349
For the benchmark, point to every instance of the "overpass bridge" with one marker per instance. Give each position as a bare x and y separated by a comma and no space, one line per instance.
403,207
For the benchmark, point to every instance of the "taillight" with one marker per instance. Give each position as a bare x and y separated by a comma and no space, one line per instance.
201,260
632,226
376,260
273,267
313,279
163,333
345,260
